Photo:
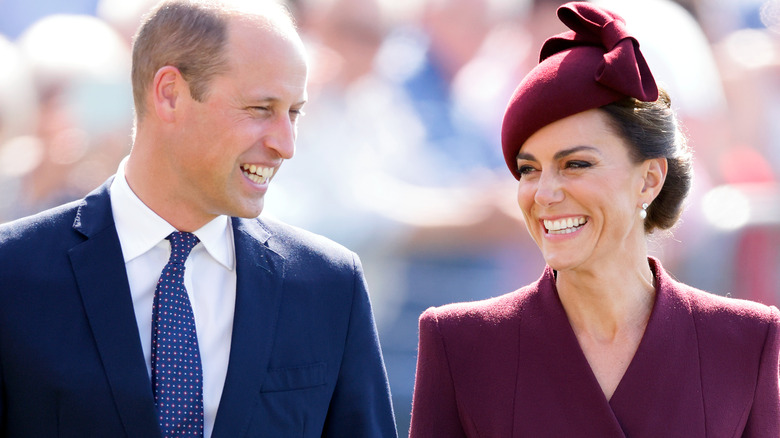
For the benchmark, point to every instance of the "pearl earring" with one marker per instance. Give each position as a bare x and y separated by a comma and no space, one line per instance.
643,211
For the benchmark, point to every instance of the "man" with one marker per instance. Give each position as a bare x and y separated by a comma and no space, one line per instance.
269,332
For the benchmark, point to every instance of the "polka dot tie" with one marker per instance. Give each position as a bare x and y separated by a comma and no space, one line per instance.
177,378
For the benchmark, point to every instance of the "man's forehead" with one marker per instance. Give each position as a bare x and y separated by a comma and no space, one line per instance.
255,51
267,12
263,35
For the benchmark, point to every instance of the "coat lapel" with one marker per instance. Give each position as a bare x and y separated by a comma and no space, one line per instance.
102,281
557,393
663,377
556,382
258,296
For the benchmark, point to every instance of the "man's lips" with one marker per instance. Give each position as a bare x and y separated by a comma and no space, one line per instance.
257,174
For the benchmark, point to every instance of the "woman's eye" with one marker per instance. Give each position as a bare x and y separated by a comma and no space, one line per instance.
525,169
577,164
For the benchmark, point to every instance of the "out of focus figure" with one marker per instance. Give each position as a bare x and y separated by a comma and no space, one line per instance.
19,149
78,65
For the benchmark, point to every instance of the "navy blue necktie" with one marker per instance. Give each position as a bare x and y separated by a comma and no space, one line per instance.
177,377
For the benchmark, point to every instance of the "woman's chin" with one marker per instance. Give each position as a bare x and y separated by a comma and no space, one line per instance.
561,262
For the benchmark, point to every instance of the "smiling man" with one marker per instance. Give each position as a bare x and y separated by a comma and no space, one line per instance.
160,304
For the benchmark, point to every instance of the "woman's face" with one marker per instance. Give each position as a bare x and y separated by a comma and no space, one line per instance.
580,192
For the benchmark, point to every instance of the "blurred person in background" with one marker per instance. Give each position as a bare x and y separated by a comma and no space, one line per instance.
251,326
606,343
407,142
744,206
18,15
18,117
77,63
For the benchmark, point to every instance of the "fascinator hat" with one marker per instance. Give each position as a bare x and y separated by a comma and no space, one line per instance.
594,64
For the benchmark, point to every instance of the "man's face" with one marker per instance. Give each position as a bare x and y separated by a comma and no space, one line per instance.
234,142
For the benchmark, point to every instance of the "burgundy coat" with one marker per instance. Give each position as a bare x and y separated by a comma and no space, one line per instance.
511,366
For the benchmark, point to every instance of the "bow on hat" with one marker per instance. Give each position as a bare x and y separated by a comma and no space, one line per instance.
594,64
624,68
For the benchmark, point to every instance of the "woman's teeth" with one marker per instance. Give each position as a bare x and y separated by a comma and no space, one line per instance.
564,226
258,175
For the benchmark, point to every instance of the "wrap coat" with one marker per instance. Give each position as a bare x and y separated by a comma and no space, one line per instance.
511,366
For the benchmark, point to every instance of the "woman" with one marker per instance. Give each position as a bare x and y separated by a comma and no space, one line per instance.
606,343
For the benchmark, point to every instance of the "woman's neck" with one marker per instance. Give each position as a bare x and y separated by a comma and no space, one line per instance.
606,303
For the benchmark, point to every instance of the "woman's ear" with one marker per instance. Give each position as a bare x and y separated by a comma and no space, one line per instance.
166,89
654,172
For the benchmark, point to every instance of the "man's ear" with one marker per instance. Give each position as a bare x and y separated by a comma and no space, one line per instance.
166,90
654,173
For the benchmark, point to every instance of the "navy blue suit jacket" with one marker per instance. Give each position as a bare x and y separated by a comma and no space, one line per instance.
304,359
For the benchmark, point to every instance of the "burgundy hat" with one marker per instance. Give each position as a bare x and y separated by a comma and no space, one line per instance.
594,64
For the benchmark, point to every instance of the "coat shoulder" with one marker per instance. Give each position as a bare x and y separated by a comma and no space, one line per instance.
50,225
726,311
488,314
707,307
299,245
729,329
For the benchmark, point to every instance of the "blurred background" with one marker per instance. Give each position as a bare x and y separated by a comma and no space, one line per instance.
399,154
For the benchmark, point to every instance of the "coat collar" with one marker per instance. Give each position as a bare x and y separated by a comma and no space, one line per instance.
663,377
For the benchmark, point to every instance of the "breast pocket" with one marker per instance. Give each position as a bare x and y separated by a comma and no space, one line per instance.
294,378
293,402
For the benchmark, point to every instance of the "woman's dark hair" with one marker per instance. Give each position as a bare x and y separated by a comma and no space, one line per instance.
652,131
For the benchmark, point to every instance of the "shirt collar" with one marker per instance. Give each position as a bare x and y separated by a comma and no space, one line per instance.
140,229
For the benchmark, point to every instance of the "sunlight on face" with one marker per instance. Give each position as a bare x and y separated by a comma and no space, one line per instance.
238,137
578,191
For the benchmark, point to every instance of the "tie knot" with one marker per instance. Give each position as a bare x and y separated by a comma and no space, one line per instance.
181,245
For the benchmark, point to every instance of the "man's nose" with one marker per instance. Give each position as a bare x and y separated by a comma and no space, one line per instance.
281,137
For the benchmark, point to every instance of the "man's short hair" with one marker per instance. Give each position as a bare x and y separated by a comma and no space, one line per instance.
190,35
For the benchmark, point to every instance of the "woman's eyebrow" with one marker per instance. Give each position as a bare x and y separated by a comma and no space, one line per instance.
525,156
561,154
558,155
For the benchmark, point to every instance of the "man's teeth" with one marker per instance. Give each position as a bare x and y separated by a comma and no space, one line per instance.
564,226
258,174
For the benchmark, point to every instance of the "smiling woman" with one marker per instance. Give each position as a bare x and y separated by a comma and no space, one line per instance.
606,342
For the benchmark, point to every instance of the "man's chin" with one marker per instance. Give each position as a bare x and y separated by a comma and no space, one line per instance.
249,211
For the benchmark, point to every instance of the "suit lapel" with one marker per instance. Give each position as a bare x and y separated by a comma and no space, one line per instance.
557,393
258,296
663,377
102,281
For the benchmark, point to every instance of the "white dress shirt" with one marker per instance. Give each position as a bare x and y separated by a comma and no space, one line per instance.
210,279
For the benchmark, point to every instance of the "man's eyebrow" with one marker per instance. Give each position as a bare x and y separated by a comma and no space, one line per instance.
273,100
558,155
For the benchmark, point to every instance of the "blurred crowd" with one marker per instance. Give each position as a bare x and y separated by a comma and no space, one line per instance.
399,155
